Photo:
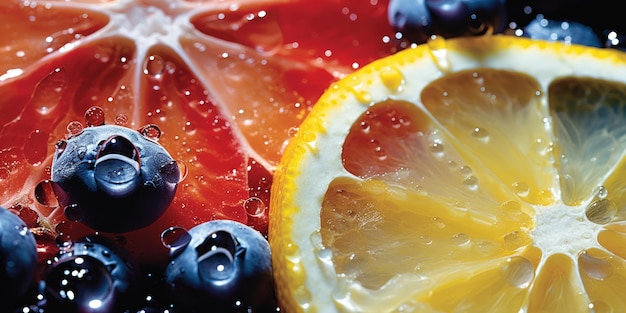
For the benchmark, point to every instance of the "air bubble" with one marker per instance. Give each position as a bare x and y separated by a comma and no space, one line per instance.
516,239
521,189
94,116
599,307
601,211
254,206
49,91
518,272
465,170
460,239
74,128
174,171
50,194
216,256
121,119
471,182
73,212
438,223
594,266
151,131
154,65
601,192
437,149
480,134
175,239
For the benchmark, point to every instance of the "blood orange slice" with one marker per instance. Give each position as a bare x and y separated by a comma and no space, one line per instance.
226,82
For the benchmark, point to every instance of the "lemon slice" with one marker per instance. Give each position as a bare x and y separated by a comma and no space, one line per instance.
464,175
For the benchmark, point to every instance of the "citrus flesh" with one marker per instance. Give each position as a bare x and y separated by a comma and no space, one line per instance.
462,175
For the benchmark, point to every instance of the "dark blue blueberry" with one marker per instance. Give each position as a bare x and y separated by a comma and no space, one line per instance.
92,276
568,32
18,258
226,266
417,20
115,179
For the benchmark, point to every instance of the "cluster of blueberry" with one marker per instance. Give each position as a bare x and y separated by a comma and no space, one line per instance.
597,24
115,179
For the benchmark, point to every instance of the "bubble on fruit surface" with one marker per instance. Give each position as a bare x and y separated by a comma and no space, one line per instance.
81,280
437,149
216,256
481,134
254,206
154,66
48,92
460,239
121,119
601,211
518,271
74,128
174,171
599,307
595,266
50,194
36,147
516,239
94,116
439,52
73,212
601,192
471,182
151,131
175,239
521,189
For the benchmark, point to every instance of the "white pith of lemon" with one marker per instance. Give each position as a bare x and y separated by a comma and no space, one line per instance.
531,187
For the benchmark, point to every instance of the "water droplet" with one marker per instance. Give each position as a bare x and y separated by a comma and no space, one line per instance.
601,192
362,95
439,52
471,182
426,240
173,171
292,131
176,239
599,307
460,239
465,170
154,65
121,119
64,242
48,92
216,256
518,272
437,149
80,280
190,127
36,146
601,211
521,189
94,116
50,194
73,212
74,128
516,239
594,266
151,131
438,223
254,206
480,134
392,78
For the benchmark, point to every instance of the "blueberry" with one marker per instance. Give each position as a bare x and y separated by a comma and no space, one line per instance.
419,19
94,275
18,257
569,32
115,179
225,266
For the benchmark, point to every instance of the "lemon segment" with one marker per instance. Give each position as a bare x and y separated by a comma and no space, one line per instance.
464,175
